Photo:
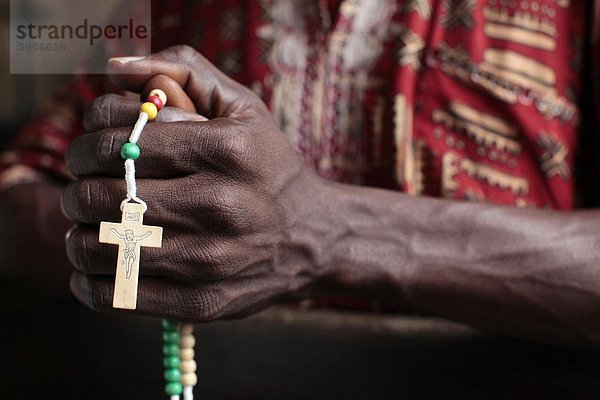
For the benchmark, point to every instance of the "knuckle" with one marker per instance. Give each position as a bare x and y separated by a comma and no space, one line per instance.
233,209
205,304
98,294
215,261
181,52
107,151
233,144
77,249
72,201
227,204
98,113
83,195
84,198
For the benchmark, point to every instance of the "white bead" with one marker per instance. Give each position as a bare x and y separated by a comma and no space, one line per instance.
187,341
186,354
161,95
189,379
186,329
188,366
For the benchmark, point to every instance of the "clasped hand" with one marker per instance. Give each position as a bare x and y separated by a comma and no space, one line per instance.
228,192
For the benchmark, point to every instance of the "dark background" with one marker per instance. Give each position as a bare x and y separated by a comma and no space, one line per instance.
62,350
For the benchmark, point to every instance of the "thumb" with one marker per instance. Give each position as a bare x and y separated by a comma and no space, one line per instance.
213,93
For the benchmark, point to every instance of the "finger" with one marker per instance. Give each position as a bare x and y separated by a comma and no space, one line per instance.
221,206
167,149
90,201
113,111
213,93
183,257
176,96
156,297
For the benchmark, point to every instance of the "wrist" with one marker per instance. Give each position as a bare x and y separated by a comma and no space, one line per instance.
352,243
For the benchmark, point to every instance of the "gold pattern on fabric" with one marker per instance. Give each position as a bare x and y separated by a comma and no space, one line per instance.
517,63
449,171
554,157
403,130
453,164
524,27
459,13
422,7
519,35
521,19
457,63
410,53
484,129
518,185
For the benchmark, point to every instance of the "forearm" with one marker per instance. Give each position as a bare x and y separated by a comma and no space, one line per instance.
529,273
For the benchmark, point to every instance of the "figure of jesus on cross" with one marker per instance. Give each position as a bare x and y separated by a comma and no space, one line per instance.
130,235
130,242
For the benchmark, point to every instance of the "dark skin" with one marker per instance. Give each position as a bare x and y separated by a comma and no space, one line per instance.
247,225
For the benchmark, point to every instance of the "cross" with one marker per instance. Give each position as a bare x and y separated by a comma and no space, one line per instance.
130,235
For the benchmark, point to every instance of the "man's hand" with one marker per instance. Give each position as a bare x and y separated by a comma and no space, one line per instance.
226,191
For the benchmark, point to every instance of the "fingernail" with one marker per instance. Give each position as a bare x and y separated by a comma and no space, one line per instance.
125,60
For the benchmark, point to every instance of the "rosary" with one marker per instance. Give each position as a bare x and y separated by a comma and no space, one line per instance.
131,234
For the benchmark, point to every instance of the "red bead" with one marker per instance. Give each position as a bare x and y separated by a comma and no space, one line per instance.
156,101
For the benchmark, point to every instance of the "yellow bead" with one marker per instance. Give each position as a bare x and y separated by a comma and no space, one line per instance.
189,379
187,341
186,354
161,95
186,329
149,109
188,366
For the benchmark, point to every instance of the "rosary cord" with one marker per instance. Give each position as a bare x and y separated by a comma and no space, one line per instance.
131,152
138,127
178,349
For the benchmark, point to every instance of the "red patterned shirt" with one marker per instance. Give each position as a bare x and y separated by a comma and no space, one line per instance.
462,99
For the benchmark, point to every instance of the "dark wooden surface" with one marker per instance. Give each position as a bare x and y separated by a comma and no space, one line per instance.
61,350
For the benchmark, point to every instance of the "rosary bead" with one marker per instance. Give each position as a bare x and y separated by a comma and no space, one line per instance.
169,325
170,336
186,354
188,366
156,101
189,379
150,109
171,362
171,349
186,329
130,151
172,375
173,388
187,341
160,94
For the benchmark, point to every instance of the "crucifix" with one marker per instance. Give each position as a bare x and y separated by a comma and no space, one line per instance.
130,235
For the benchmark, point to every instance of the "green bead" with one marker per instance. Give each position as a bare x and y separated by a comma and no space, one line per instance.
173,388
130,151
170,336
169,325
171,362
171,349
172,375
